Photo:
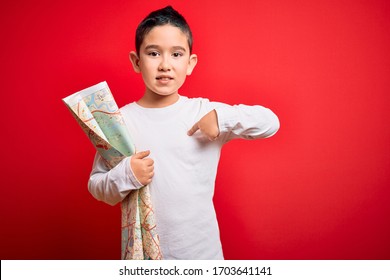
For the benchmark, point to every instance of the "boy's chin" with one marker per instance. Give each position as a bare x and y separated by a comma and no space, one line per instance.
163,94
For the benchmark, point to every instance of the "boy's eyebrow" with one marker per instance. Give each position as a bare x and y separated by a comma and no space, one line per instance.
148,47
151,47
179,48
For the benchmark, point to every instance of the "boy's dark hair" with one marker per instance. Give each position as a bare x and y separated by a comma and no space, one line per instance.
164,16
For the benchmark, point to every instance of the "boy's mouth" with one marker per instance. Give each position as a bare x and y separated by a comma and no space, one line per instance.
164,78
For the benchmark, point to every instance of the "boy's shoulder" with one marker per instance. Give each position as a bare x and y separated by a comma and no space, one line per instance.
195,99
196,103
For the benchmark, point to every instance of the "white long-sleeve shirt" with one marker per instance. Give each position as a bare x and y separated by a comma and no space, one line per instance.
185,169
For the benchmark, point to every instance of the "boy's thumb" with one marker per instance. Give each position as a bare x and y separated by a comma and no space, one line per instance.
141,155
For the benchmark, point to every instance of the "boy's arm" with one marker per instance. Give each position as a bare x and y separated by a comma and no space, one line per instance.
238,121
112,186
248,122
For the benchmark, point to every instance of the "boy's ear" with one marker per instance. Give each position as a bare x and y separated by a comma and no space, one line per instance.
135,61
192,63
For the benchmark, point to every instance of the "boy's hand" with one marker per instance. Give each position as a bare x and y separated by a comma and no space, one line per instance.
143,167
208,126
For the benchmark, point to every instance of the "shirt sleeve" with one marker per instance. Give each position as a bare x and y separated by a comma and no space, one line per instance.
112,186
247,122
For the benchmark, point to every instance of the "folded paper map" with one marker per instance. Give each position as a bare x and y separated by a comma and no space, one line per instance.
95,110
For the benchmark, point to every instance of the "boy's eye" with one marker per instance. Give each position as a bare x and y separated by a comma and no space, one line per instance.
177,54
154,53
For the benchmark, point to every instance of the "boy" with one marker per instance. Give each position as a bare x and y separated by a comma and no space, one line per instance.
179,140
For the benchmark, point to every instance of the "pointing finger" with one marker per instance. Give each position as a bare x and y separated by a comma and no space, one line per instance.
193,129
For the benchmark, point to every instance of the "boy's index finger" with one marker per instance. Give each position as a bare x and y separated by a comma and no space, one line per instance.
193,129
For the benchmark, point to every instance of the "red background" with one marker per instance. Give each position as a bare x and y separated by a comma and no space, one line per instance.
319,189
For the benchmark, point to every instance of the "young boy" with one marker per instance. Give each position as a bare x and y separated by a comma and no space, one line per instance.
179,141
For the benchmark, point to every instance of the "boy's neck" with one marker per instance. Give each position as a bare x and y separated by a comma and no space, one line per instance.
157,101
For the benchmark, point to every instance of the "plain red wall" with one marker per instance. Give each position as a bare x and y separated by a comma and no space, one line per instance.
319,189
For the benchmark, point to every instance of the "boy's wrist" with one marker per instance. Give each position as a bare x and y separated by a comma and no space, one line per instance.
130,174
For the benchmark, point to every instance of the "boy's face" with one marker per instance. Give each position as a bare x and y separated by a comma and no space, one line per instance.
164,60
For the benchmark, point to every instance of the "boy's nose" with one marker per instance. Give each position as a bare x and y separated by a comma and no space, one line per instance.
162,68
164,65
